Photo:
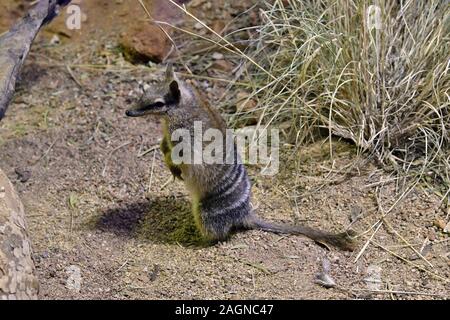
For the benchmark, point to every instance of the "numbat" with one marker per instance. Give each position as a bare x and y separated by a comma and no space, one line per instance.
220,192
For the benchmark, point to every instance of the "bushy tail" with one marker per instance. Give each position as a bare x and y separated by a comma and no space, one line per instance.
344,241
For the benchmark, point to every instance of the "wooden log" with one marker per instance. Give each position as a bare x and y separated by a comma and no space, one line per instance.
17,277
15,45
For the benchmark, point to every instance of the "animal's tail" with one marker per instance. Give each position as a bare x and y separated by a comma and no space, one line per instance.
344,241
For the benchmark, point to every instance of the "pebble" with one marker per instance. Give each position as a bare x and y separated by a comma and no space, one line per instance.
217,56
440,223
55,40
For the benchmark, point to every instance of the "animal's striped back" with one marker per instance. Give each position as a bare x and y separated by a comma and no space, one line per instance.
227,203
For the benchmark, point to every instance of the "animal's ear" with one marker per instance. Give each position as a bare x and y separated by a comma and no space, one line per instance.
171,79
174,90
170,76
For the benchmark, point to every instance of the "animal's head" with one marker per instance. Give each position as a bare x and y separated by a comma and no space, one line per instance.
164,98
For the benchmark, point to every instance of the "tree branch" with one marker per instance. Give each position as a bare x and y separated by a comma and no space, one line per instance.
15,45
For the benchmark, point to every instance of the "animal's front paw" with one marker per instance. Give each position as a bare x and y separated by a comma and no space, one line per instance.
176,172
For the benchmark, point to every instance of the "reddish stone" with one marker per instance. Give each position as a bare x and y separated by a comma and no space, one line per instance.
145,42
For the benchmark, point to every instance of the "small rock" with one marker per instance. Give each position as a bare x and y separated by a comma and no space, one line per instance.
424,252
440,223
198,26
355,213
222,65
323,278
217,56
244,103
218,26
431,235
154,273
23,174
55,40
447,228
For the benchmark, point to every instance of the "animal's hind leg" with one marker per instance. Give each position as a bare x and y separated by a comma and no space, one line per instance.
215,228
212,227
167,151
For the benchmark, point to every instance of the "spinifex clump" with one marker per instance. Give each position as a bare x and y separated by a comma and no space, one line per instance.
375,75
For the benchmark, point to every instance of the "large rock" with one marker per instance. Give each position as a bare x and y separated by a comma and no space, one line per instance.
17,279
145,42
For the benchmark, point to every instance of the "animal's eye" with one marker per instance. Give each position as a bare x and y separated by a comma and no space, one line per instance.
158,104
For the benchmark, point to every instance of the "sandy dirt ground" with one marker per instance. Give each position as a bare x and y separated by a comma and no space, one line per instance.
99,209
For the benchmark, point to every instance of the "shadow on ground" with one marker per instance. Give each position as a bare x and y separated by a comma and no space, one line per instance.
159,220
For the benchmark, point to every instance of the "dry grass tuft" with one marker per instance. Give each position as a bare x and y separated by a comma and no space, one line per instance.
385,90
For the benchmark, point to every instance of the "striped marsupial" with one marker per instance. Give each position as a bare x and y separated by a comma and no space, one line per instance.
220,192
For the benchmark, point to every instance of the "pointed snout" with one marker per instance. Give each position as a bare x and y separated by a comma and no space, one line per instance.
134,113
143,109
138,110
